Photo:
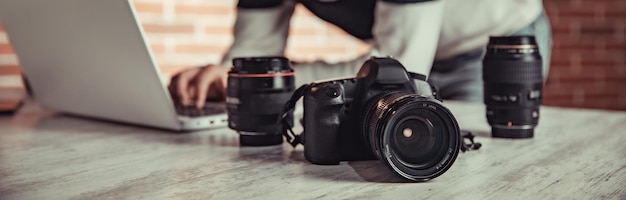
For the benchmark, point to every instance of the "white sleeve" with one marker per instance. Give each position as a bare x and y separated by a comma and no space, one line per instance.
260,32
408,32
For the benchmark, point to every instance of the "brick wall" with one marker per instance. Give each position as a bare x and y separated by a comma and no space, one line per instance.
186,33
588,60
588,64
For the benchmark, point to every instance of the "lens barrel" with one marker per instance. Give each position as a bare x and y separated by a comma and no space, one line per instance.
416,137
258,88
513,81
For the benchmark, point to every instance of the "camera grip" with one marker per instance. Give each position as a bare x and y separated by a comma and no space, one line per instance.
321,139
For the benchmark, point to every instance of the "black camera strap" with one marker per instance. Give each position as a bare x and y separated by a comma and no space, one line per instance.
465,147
292,138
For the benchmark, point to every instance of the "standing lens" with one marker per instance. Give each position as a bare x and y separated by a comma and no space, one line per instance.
512,74
415,136
257,90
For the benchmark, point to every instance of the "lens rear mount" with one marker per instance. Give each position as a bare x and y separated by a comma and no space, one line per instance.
512,133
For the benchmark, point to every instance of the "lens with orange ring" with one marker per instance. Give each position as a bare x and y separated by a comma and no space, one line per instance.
258,88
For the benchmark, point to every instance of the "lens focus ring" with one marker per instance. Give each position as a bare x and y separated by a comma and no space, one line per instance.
510,71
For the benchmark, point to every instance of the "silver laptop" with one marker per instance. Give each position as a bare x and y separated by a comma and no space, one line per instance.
90,58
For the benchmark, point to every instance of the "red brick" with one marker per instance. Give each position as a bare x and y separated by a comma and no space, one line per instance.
158,48
567,102
168,29
604,31
561,29
10,70
11,88
578,21
588,54
219,30
576,12
588,77
597,102
204,10
6,49
611,103
570,48
570,45
607,88
148,7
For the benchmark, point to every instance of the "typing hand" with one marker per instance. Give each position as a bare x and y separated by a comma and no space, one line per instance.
193,87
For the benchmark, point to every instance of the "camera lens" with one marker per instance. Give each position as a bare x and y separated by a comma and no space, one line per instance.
513,80
414,141
415,136
257,90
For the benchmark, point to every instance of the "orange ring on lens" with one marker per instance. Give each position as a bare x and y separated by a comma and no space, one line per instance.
261,75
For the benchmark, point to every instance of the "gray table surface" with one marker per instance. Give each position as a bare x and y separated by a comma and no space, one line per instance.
575,154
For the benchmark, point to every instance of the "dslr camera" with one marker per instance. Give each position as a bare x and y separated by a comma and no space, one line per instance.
384,113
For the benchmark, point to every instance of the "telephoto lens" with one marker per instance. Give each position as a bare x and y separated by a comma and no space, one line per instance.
258,88
513,81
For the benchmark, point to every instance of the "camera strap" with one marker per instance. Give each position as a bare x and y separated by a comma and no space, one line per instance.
465,147
292,138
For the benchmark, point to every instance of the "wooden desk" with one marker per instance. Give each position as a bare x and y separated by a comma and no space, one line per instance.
575,154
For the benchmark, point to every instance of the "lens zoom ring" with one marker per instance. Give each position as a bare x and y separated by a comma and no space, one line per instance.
503,71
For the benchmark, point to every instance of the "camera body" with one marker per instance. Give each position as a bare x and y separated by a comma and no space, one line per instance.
336,111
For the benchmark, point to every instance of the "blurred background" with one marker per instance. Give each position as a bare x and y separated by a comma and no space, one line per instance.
588,68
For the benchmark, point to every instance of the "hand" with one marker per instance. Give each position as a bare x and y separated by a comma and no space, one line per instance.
196,86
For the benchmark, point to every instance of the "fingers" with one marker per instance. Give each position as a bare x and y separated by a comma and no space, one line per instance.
222,86
217,91
203,82
195,86
181,85
192,92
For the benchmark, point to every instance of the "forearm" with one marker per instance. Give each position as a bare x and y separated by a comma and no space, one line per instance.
408,32
260,30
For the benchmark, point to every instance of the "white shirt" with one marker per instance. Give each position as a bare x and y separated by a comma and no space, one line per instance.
415,34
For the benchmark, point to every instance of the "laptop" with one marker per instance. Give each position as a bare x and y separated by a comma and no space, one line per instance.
90,58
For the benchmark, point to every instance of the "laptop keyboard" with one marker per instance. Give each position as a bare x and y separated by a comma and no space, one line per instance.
208,109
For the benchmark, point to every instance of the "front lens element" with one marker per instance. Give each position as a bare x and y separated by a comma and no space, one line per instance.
415,142
415,136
